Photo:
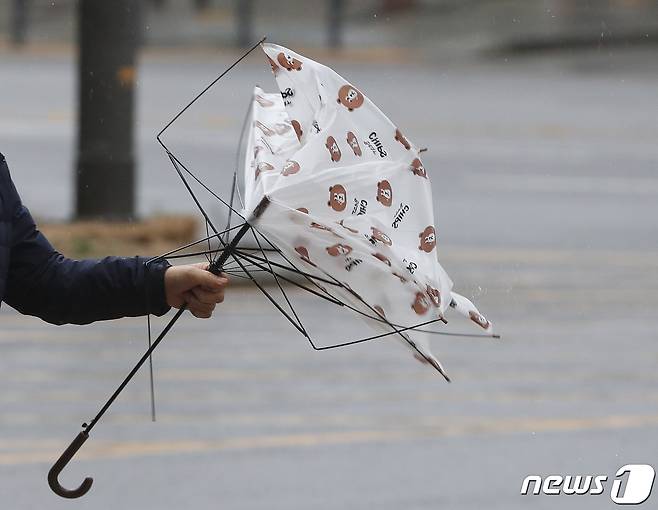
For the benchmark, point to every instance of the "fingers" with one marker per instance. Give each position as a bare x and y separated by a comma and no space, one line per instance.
194,285
208,296
198,308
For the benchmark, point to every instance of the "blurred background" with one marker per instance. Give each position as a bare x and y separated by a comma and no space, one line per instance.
541,128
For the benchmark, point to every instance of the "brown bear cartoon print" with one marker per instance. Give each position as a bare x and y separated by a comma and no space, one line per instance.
291,167
349,97
378,235
479,319
337,198
339,249
353,230
289,62
402,139
420,304
383,258
298,129
332,147
354,143
427,239
418,169
265,103
434,295
303,253
263,167
384,193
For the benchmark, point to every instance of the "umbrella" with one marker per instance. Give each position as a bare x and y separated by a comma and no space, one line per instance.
342,198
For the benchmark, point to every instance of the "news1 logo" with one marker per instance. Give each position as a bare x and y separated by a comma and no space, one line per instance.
631,485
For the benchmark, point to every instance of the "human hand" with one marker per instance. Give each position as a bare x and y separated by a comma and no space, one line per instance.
194,285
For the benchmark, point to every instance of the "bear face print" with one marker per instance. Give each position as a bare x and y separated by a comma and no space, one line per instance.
378,235
402,139
339,249
427,239
289,62
291,167
337,198
354,143
264,129
434,295
420,304
418,169
384,193
479,319
263,167
265,103
298,129
383,258
303,254
349,97
332,147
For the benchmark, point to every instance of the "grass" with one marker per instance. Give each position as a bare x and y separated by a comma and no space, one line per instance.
95,239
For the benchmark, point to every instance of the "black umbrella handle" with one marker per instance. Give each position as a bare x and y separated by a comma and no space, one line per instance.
64,459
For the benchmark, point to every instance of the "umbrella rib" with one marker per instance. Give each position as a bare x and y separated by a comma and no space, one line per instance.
397,328
203,185
230,208
285,296
267,294
293,270
327,297
207,88
291,263
208,235
171,253
176,162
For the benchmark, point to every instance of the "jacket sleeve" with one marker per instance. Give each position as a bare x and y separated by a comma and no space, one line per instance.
44,283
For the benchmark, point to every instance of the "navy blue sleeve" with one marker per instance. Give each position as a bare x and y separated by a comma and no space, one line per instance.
59,290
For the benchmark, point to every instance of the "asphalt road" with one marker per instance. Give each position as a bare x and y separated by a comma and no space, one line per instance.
544,173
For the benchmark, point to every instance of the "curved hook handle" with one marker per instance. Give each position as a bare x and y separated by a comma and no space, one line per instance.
61,463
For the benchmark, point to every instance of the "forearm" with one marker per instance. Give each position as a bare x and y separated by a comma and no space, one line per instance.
79,292
44,283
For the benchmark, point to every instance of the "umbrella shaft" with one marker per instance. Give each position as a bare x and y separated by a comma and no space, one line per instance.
215,268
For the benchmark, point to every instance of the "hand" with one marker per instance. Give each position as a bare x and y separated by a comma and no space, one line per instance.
192,284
